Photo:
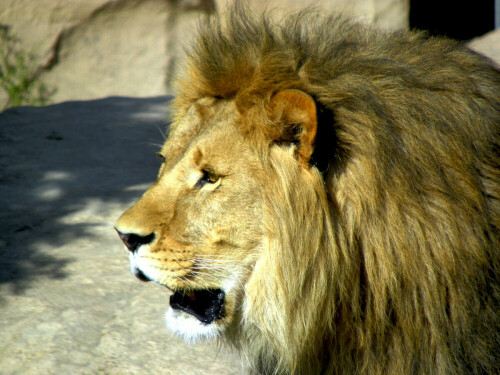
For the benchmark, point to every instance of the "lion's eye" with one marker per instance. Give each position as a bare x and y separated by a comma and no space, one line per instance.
207,178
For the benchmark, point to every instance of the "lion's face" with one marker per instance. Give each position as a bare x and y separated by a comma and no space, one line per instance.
196,230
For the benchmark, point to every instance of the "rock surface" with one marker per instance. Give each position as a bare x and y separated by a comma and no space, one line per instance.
488,45
89,49
68,302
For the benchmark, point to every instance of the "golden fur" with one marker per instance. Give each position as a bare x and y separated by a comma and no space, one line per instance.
367,242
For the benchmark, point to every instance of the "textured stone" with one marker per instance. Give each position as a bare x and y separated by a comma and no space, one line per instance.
488,44
96,48
391,14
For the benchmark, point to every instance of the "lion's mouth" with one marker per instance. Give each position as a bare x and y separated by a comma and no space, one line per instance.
205,305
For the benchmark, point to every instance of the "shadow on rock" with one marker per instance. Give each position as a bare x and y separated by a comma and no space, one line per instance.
65,171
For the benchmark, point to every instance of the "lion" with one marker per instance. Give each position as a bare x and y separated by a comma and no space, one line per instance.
329,199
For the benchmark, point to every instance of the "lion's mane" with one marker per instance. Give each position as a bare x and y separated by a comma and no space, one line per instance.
385,260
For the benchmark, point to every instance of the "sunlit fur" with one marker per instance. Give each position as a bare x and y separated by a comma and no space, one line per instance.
387,262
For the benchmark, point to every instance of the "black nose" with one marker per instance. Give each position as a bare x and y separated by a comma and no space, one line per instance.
132,241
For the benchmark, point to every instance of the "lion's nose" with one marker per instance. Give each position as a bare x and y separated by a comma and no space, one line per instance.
132,241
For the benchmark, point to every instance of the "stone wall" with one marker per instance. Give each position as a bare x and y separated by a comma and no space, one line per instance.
85,49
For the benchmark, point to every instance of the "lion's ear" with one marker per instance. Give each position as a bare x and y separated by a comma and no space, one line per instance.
294,112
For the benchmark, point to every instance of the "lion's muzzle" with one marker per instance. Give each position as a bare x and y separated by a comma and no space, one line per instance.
206,305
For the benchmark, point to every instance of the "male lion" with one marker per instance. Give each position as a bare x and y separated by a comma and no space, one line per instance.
329,200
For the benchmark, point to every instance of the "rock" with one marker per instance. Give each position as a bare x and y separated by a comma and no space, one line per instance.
86,49
68,302
99,48
390,14
488,44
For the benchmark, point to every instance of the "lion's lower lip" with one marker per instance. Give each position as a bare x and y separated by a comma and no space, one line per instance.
140,275
205,305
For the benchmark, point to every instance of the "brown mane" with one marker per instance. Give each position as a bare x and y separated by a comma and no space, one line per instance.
406,274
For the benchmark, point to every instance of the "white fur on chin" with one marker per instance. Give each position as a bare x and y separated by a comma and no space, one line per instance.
189,328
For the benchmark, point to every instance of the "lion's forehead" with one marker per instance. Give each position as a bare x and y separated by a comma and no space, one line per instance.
209,130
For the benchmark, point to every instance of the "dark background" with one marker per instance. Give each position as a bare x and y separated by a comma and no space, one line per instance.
456,19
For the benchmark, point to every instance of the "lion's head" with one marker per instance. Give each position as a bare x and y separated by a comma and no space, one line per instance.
197,229
329,200
201,229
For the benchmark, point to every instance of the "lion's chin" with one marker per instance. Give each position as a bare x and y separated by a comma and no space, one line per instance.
189,328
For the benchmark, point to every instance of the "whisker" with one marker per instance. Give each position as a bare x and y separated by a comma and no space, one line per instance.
203,274
227,261
220,272
191,281
215,277
216,266
161,132
162,268
214,258
153,143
